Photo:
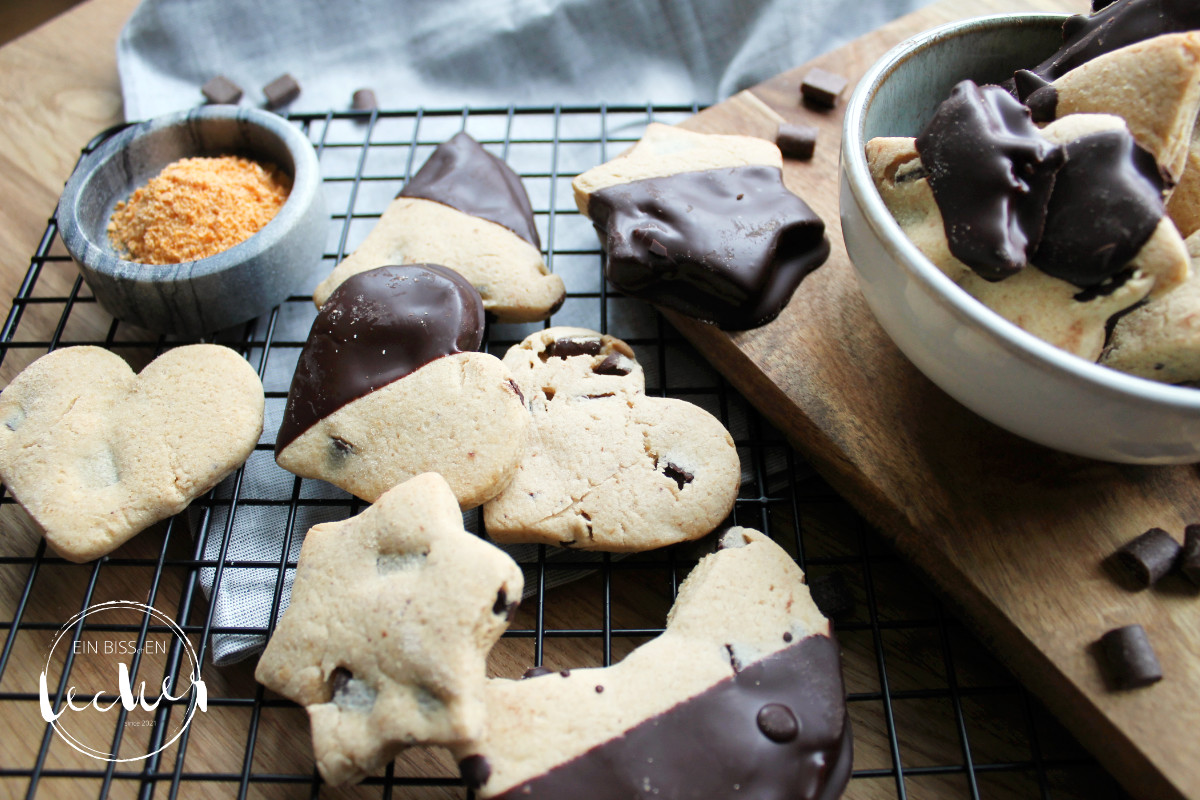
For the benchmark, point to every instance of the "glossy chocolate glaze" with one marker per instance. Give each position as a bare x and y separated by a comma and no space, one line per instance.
1114,26
375,328
777,730
991,173
1107,201
464,176
726,246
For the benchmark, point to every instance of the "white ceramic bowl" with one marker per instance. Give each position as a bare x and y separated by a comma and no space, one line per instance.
991,366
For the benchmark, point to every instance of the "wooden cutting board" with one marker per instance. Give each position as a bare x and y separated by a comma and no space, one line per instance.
1014,535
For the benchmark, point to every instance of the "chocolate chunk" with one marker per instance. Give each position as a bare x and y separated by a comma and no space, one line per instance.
787,636
822,87
599,689
339,679
375,328
992,173
1107,201
281,91
565,348
536,672
777,722
678,474
463,175
1115,25
1130,658
1189,557
364,100
796,141
566,673
221,91
613,364
475,771
501,604
831,594
1149,557
734,263
516,390
714,744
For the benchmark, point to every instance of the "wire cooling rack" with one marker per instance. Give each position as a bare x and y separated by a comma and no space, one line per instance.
934,715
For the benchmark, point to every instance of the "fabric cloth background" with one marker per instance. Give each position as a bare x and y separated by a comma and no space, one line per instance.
451,53
442,54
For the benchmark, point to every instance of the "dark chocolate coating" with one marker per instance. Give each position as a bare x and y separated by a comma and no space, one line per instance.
1130,657
991,173
715,741
377,327
464,176
1149,557
726,246
1114,26
1106,203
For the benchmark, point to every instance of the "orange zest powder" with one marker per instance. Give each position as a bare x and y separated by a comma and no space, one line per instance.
197,207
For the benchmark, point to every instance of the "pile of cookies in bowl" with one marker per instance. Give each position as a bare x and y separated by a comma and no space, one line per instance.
394,611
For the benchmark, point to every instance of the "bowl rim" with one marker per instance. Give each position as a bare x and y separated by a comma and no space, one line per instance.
306,184
1016,341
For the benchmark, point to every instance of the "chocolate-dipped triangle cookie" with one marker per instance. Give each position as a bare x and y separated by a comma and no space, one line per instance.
467,210
388,386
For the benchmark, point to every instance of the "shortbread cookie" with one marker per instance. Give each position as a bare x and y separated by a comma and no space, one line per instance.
741,696
1161,339
606,467
1070,314
96,454
702,224
388,387
1153,85
465,209
385,641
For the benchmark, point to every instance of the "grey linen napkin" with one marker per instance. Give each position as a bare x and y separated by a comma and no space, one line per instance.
439,54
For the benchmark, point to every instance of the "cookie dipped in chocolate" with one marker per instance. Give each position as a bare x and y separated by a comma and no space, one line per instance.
776,730
463,175
1112,27
1107,201
377,327
991,173
725,246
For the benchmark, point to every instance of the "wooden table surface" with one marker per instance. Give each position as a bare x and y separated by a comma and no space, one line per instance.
59,88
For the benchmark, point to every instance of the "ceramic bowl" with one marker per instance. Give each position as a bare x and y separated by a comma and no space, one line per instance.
231,287
991,366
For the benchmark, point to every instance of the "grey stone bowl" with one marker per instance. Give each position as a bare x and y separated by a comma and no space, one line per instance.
196,297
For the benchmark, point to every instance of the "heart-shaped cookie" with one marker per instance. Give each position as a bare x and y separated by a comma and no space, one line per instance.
96,454
388,387
606,467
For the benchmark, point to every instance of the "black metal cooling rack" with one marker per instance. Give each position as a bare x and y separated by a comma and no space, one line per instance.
934,716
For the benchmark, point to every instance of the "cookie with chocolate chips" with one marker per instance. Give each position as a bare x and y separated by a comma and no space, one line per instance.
702,224
465,209
95,453
386,638
606,467
389,385
741,696
1085,256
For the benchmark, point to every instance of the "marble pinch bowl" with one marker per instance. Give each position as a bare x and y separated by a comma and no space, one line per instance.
196,297
982,360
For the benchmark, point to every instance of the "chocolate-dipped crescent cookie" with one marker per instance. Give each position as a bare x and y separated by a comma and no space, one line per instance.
606,467
465,209
388,386
703,225
741,696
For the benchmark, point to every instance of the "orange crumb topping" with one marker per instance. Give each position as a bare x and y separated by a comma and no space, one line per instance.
197,207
